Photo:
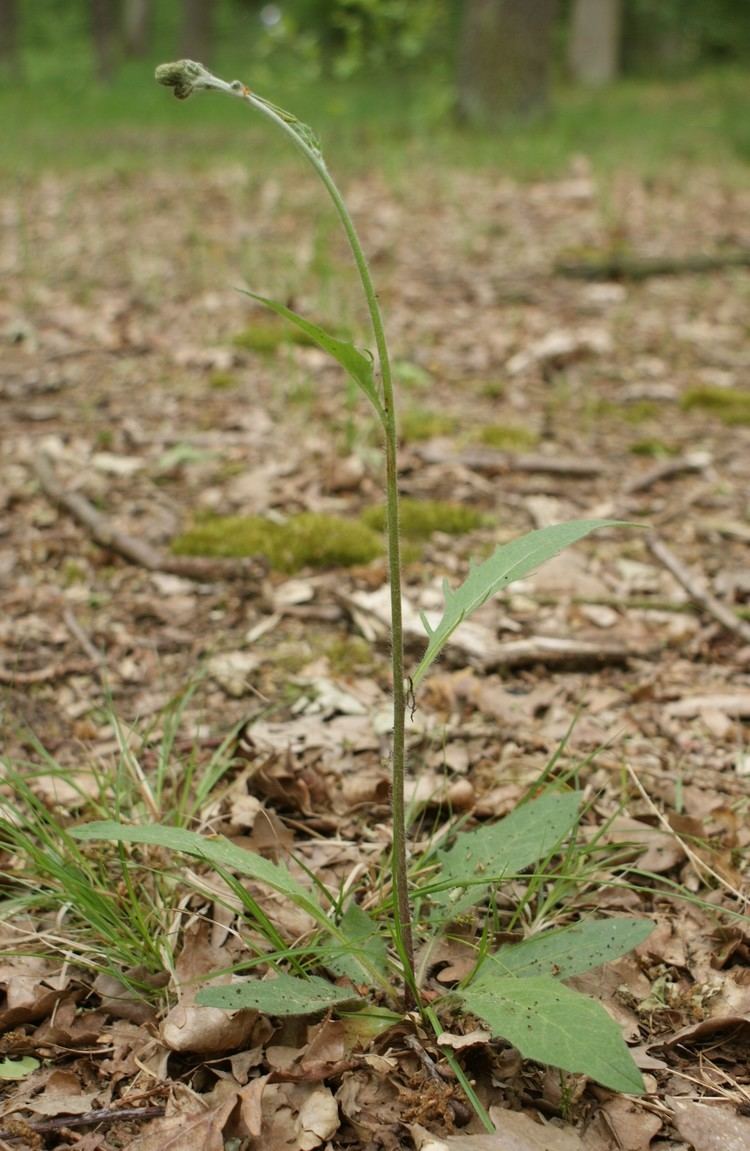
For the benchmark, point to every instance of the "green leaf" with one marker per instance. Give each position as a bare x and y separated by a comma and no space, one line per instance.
569,951
504,848
356,363
548,1022
284,995
218,851
367,952
18,1068
509,562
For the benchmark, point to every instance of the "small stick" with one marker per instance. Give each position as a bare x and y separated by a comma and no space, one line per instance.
104,1115
10,678
134,550
698,593
695,462
698,863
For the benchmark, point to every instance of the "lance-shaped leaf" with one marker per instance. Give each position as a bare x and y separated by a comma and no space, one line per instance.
284,995
509,562
219,851
567,952
358,364
549,1022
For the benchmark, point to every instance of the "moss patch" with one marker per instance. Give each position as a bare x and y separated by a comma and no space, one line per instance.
637,412
222,381
508,437
266,336
421,424
729,404
306,540
420,518
652,448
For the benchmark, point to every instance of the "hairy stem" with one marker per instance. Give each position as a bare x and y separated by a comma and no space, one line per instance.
184,77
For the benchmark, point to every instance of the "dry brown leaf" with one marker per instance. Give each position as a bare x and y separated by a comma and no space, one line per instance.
633,1126
515,1131
711,1128
201,1131
297,1117
191,1027
62,1095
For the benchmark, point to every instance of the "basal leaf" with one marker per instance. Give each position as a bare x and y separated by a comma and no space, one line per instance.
550,1023
218,851
504,848
356,363
284,995
569,951
366,952
509,562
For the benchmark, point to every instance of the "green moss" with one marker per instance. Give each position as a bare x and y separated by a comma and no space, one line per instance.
654,448
267,336
421,424
420,518
639,412
222,381
350,655
306,540
730,405
492,389
508,437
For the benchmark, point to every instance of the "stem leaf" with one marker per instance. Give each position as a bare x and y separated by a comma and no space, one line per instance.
358,364
550,1023
284,995
511,561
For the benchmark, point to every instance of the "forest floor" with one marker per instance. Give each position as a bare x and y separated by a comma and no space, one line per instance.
145,383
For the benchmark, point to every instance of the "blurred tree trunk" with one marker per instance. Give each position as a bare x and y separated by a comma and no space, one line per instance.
594,46
196,37
504,59
10,58
138,15
106,18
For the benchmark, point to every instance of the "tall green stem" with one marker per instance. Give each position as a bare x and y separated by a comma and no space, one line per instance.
185,77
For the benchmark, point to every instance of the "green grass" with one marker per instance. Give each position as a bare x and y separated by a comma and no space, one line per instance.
62,119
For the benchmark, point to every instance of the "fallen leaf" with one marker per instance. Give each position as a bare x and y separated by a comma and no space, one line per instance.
711,1128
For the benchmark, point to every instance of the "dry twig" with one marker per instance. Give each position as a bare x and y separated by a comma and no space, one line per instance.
695,589
136,551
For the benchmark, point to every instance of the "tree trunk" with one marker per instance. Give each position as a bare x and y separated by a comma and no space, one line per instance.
105,18
138,15
196,37
10,59
504,59
594,46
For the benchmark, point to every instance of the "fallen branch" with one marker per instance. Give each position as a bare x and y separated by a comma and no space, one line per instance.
134,550
494,463
621,267
554,650
696,590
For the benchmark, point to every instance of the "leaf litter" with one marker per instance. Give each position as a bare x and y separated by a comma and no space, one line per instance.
595,372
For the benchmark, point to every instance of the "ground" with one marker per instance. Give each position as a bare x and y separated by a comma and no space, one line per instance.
155,390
